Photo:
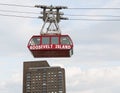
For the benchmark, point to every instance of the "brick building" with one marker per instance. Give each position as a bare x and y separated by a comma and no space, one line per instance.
40,77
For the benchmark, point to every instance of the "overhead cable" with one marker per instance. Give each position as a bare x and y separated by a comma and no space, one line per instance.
93,15
69,19
18,16
17,5
18,12
84,8
96,19
89,8
64,14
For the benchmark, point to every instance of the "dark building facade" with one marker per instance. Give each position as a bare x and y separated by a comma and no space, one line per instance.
39,77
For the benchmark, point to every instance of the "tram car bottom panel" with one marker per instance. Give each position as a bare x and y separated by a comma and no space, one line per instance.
50,53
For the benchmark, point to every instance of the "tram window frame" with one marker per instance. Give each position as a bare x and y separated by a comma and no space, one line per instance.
33,42
54,40
45,40
64,42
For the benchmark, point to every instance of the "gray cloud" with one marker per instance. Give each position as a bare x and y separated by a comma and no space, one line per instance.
97,79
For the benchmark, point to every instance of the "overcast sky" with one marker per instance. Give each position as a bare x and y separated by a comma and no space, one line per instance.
95,65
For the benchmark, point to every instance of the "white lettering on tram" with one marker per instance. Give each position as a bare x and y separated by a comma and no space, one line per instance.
35,47
62,47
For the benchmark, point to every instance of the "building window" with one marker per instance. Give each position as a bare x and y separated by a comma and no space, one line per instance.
60,91
44,83
59,72
28,77
28,87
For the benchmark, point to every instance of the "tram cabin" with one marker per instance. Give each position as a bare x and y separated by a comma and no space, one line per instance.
51,46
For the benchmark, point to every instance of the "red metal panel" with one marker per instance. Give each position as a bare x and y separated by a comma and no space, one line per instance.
51,53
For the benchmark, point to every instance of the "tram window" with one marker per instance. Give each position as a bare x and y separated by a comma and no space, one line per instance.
54,40
35,41
45,40
65,40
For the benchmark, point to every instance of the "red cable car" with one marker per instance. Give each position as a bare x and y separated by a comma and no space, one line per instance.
51,46
50,42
